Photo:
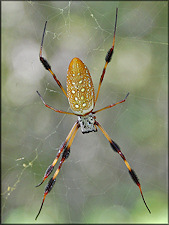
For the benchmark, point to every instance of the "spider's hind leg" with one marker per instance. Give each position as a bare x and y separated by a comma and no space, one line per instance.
132,173
65,155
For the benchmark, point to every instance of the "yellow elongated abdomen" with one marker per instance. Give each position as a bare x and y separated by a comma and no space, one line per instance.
80,89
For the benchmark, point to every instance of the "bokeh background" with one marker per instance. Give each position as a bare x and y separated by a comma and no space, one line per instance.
93,185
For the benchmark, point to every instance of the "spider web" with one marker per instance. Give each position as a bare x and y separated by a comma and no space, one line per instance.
93,185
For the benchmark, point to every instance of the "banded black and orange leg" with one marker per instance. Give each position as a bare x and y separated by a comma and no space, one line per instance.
65,155
110,106
107,58
46,64
62,148
116,148
50,107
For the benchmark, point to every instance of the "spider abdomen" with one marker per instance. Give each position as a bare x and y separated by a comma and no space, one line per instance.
80,89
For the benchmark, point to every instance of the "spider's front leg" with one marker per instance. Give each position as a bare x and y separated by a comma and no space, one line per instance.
107,58
47,65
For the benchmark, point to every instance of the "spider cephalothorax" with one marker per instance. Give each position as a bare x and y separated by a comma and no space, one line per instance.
87,123
82,100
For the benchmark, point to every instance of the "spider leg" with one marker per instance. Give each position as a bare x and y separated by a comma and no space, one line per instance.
63,147
65,155
109,106
116,148
46,64
107,58
56,110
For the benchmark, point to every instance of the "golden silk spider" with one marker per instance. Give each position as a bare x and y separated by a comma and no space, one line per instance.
82,100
